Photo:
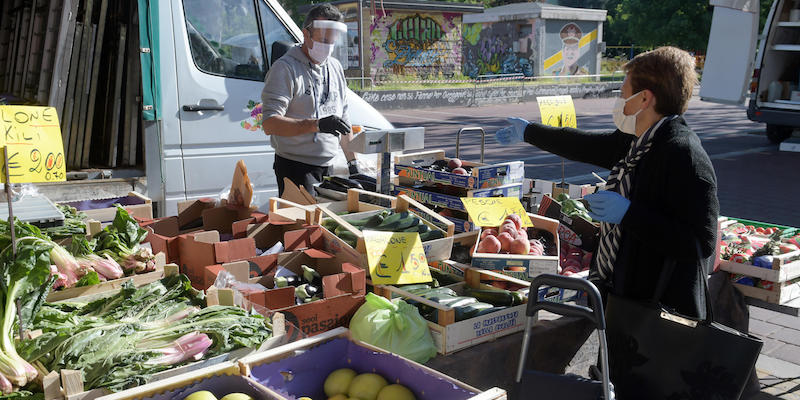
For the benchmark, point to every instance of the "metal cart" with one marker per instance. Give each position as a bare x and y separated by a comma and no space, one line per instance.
543,385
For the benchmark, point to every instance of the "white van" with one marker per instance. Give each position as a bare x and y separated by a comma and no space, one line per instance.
211,63
772,75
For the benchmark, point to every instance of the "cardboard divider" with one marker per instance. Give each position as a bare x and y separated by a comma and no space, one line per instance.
291,209
199,250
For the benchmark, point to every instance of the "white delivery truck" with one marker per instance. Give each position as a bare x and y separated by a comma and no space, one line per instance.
202,62
737,62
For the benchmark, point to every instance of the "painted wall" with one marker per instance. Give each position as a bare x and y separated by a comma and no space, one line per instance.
570,48
500,48
421,44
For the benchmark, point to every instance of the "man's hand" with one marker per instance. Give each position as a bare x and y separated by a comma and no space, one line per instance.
333,125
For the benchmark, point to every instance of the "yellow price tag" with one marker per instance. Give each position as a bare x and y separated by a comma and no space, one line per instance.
396,258
32,140
492,211
557,111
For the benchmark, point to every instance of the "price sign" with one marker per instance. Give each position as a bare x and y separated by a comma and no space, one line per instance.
32,140
396,258
492,211
557,111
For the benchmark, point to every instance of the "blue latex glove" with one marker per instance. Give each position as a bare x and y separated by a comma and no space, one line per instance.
512,134
607,206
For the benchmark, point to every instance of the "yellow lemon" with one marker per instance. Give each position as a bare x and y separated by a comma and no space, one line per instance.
338,381
395,392
366,386
201,395
237,396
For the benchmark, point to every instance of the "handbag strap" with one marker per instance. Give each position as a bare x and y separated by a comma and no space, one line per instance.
666,274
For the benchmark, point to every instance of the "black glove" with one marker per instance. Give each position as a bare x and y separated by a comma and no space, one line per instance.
352,166
333,125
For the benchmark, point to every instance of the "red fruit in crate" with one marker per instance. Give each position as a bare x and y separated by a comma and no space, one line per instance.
516,219
587,260
510,228
460,171
489,245
523,233
454,163
505,241
488,232
520,246
571,264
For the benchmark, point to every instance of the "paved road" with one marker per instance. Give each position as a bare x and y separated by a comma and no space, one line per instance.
756,181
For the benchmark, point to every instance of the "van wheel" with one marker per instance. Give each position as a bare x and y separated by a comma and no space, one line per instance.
778,133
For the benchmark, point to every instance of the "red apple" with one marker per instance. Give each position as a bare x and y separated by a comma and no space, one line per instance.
460,171
454,163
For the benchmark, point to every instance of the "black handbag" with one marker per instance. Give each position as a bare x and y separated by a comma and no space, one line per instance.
658,354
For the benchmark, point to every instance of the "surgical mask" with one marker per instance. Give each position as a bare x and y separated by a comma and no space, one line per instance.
625,123
320,52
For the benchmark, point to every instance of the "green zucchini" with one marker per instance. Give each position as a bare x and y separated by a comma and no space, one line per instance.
433,234
415,287
444,278
497,297
440,291
470,310
453,301
393,217
488,311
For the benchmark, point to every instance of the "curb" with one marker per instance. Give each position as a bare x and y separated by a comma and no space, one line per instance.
776,367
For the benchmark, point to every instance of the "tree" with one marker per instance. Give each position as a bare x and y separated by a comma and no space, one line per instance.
680,23
598,4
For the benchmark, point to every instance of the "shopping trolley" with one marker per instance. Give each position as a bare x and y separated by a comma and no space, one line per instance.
544,385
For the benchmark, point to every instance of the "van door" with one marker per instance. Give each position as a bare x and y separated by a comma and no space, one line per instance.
731,50
221,60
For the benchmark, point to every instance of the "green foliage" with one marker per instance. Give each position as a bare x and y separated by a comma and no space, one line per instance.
680,23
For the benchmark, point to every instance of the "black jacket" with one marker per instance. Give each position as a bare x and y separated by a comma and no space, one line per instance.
674,208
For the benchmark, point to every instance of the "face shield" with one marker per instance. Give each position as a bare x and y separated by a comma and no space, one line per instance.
326,37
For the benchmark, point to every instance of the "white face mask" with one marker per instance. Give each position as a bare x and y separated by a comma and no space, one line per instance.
625,123
320,52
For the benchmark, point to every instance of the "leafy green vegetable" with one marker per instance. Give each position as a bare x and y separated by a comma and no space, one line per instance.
120,341
121,240
91,278
73,224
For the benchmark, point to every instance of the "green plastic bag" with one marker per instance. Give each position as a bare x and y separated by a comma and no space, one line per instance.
394,326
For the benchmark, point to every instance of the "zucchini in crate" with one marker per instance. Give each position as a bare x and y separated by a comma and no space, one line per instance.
496,297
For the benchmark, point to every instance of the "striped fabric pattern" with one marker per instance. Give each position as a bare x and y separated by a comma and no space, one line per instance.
619,180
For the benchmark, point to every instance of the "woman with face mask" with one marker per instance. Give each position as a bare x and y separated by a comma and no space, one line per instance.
660,201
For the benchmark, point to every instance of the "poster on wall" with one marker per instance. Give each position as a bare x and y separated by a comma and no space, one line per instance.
353,56
570,48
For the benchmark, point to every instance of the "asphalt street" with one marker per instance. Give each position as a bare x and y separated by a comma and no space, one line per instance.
755,180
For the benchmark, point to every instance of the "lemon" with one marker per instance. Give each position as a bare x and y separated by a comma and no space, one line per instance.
338,381
201,395
366,386
339,396
237,396
395,392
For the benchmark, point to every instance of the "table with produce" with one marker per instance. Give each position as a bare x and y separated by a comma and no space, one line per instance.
422,295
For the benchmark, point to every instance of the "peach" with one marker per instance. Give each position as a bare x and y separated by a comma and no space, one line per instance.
520,246
489,245
488,232
515,218
460,171
505,241
454,163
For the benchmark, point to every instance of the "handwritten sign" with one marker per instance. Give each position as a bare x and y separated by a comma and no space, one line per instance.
492,211
557,111
32,140
396,258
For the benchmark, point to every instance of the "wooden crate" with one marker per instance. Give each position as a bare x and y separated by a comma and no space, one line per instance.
305,213
451,336
533,265
483,176
142,211
248,364
435,250
784,275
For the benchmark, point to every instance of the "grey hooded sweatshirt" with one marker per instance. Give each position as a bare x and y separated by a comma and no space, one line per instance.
297,88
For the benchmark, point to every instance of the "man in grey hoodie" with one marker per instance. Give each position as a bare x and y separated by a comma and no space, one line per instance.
304,103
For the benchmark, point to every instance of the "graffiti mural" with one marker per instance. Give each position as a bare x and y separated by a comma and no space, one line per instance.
571,48
499,48
418,44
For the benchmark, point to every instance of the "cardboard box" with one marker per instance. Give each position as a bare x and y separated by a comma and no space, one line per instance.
532,265
437,249
337,349
343,287
483,176
201,249
575,231
451,336
453,202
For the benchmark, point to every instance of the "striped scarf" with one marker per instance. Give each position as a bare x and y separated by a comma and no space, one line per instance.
619,180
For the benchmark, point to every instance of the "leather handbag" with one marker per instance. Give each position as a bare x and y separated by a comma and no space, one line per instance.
658,354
